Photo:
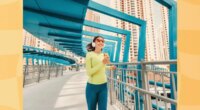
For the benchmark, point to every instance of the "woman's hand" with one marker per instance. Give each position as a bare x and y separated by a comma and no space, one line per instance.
113,67
106,59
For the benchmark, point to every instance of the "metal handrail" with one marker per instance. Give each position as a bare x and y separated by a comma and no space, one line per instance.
127,80
145,62
36,73
147,92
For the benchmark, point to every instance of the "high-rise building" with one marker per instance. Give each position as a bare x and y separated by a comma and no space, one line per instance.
159,43
29,39
150,31
161,31
156,34
156,37
143,9
133,8
92,16
165,31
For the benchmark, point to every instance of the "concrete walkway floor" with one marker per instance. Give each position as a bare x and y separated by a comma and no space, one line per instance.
63,93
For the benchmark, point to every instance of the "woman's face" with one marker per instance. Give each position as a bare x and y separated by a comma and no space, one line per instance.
99,43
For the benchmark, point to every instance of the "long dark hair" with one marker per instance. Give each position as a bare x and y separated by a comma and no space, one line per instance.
89,46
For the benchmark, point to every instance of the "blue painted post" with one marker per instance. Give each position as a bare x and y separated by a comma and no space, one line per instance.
41,61
44,60
118,50
172,8
32,60
27,63
173,46
112,53
126,47
125,59
141,57
37,59
49,62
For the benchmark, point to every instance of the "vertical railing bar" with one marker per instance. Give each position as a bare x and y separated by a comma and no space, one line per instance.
155,87
163,86
123,86
149,97
25,70
173,85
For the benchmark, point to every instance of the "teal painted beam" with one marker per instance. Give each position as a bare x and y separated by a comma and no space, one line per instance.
105,27
64,36
70,44
159,108
51,14
60,28
64,40
109,37
94,34
114,13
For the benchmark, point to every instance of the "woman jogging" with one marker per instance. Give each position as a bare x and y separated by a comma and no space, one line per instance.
96,89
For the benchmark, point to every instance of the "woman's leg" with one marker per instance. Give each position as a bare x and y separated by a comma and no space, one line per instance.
91,97
102,98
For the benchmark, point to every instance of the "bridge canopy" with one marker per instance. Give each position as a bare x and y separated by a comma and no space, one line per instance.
56,22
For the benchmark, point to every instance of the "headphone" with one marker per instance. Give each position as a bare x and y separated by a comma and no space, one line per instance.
93,44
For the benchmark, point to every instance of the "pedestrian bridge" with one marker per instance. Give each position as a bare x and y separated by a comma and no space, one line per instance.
49,82
58,88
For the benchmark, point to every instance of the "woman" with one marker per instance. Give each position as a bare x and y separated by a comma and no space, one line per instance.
96,89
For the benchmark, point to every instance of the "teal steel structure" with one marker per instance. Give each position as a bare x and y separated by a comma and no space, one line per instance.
171,5
63,26
45,56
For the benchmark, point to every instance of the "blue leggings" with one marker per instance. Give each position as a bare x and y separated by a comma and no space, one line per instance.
96,94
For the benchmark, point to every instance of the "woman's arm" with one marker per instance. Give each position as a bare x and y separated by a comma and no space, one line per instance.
92,70
108,67
111,67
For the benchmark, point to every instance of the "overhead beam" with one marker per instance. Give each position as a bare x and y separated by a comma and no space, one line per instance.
83,2
74,50
50,14
75,41
167,3
114,13
74,47
70,44
64,36
105,27
109,37
60,28
97,25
